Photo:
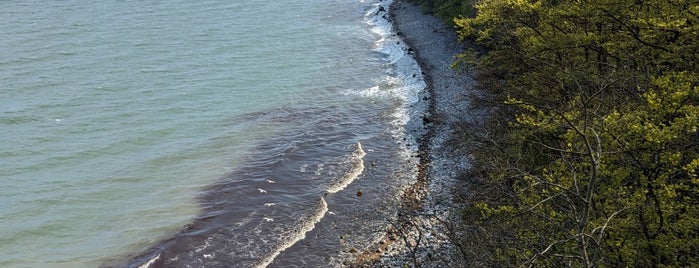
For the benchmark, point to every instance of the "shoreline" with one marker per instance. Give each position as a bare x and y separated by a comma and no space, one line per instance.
420,236
415,235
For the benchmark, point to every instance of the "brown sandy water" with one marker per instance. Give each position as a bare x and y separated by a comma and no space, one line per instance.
301,198
325,186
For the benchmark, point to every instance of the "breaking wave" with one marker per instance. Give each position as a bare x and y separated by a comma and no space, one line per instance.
357,162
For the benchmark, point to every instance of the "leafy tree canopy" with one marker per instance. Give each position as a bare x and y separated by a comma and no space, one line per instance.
598,162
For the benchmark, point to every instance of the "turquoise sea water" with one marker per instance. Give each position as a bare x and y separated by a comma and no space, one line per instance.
117,117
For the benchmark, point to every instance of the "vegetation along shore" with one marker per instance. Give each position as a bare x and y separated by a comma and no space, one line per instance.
561,133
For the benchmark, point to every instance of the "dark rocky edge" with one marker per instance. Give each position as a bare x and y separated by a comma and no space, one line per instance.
422,234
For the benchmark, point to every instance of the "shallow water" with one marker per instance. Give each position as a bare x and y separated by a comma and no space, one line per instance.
197,133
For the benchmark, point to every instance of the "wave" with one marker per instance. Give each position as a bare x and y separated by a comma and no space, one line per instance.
150,262
241,226
300,234
357,161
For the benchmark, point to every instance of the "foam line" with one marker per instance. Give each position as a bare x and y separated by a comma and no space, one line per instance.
150,262
300,234
351,175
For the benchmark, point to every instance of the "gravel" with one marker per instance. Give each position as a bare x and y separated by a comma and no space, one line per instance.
419,235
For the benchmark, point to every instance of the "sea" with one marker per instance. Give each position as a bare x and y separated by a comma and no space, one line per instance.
201,133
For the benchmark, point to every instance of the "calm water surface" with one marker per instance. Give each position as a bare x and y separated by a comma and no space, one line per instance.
198,132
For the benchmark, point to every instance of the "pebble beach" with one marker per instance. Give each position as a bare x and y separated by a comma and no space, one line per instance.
419,236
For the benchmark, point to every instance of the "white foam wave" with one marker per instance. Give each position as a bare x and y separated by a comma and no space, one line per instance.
403,78
382,27
150,262
357,161
299,234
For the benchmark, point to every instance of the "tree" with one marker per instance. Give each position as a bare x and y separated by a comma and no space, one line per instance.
598,165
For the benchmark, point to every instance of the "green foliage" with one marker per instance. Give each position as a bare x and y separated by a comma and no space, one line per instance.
447,9
598,162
